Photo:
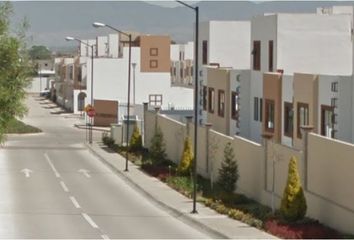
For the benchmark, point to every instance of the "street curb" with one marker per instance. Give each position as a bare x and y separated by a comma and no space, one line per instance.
175,212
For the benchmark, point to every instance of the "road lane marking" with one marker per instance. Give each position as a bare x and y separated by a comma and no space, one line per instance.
52,165
65,188
89,220
27,172
104,237
73,200
85,172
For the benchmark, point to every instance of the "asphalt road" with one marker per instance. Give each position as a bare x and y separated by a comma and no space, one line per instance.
52,187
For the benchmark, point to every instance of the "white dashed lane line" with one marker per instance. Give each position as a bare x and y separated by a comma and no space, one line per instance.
52,165
89,220
73,200
65,188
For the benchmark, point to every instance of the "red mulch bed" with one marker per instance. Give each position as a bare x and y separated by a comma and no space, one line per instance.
300,230
160,172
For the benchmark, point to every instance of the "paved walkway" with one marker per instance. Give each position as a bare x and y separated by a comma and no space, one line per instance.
217,225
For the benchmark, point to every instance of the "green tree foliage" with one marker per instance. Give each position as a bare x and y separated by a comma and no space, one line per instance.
39,52
14,70
157,147
185,164
293,205
135,143
228,173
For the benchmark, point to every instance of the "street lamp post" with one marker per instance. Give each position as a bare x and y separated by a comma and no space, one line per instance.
91,46
196,10
97,25
134,65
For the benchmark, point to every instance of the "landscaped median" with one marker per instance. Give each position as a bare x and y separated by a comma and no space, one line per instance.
18,127
234,205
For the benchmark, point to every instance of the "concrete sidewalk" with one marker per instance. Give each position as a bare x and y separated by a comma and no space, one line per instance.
215,224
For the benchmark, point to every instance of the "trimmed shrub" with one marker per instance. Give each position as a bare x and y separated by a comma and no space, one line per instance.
107,140
293,205
185,164
228,173
135,144
158,148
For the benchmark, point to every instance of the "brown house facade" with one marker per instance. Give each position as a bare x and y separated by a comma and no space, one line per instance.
155,53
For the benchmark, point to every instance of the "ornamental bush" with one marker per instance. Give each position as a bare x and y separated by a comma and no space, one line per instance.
185,164
293,205
228,173
135,143
158,147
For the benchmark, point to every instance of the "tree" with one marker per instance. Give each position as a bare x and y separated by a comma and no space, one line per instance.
228,173
293,205
157,147
14,70
39,52
185,164
136,141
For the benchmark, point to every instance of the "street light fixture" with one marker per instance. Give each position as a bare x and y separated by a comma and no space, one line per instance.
97,25
196,10
91,46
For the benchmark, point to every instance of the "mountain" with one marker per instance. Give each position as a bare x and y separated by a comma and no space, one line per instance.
52,21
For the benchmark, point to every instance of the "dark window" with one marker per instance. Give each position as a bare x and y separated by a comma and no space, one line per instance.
205,52
154,51
327,121
334,86
269,115
234,105
205,94
288,119
153,64
155,99
255,109
302,117
260,109
256,55
270,54
211,100
221,103
181,73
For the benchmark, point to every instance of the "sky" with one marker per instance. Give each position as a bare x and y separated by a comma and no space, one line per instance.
52,21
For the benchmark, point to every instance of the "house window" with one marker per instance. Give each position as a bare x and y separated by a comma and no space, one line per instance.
256,55
334,86
255,109
205,92
211,100
153,64
181,73
221,103
270,55
260,109
155,99
235,107
205,52
191,71
154,52
269,115
288,119
327,121
302,117
334,102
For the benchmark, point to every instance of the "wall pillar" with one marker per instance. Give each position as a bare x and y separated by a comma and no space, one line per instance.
305,133
266,137
157,111
188,125
208,163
